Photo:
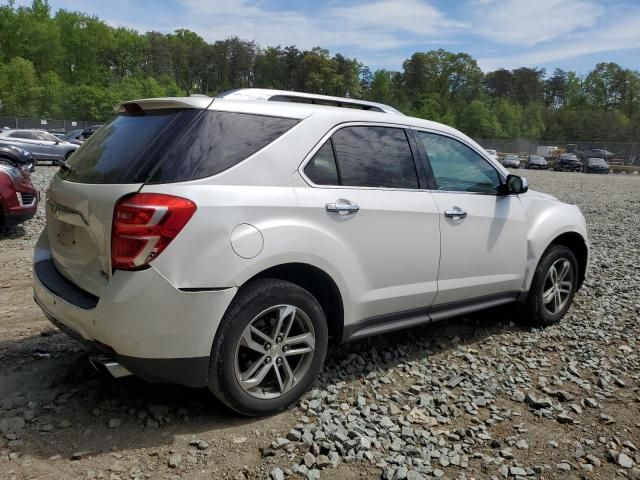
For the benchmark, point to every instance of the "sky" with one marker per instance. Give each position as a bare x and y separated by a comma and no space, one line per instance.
569,34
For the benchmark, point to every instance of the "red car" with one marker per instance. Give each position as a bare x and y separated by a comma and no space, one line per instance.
18,197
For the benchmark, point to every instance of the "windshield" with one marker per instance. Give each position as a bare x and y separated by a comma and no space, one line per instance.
596,161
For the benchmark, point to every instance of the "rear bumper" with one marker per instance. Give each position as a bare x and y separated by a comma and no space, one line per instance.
158,332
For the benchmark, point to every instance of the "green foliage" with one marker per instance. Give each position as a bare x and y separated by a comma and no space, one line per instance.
72,65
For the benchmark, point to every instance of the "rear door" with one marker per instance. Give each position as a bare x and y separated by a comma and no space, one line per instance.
49,146
483,234
367,194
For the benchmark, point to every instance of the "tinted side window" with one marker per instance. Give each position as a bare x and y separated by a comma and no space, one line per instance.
171,146
375,157
322,169
456,167
217,141
27,135
114,154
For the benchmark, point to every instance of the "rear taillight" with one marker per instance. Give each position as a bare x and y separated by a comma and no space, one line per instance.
143,226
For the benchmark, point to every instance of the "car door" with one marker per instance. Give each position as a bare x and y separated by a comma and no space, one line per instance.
31,141
366,194
483,234
24,139
49,145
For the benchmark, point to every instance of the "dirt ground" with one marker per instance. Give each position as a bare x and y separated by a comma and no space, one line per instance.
64,420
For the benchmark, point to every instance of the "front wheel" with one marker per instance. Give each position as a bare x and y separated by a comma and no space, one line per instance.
269,348
554,284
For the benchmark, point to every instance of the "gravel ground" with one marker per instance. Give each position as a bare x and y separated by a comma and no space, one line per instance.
473,398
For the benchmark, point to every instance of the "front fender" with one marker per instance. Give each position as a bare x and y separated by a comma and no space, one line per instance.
548,218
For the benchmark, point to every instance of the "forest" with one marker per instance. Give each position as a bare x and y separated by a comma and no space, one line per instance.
72,65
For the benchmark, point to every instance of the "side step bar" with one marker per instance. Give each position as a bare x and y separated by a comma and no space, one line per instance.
103,363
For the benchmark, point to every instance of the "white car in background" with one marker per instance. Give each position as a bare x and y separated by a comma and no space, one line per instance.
225,242
492,153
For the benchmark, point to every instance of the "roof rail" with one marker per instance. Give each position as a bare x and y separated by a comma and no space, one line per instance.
299,97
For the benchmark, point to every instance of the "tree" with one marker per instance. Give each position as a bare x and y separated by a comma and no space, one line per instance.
478,120
19,90
71,64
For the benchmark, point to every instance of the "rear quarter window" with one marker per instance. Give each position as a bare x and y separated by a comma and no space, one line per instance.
216,142
171,146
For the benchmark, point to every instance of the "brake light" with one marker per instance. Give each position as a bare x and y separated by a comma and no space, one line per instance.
144,225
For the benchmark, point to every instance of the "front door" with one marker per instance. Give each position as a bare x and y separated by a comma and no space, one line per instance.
483,234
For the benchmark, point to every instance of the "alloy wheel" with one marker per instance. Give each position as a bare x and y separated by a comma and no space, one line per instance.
274,351
558,285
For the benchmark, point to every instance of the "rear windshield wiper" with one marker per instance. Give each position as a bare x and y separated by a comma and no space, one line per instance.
64,165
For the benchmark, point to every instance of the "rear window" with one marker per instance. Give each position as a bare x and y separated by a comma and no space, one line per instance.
171,146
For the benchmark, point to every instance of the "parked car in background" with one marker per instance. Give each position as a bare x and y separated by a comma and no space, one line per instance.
80,135
493,154
568,162
537,162
18,196
596,165
228,251
17,156
43,145
511,161
596,153
75,136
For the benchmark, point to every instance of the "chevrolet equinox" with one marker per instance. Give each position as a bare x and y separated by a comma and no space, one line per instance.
226,242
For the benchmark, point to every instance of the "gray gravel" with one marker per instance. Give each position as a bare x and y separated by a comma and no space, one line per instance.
481,397
476,397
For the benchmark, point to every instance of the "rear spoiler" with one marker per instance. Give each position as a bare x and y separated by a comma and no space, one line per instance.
139,106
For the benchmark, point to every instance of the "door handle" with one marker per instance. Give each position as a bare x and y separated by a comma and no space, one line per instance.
456,213
342,206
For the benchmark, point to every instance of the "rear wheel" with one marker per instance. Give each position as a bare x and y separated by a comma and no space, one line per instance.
554,284
269,348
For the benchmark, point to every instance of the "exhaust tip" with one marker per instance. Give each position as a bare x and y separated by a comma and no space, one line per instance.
103,363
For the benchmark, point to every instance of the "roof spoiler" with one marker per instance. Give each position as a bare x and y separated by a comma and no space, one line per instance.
138,107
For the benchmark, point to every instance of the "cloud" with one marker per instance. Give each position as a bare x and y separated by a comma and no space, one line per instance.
619,31
531,22
377,26
412,16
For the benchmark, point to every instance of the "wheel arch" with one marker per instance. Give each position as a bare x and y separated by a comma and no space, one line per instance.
317,282
576,243
8,157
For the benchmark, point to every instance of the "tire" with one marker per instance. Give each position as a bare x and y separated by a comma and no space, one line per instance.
260,303
534,311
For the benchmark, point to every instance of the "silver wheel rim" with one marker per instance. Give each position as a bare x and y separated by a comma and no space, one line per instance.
274,351
558,285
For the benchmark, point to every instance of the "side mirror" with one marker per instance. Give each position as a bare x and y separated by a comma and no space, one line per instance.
514,185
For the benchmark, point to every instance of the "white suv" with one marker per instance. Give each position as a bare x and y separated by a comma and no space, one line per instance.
225,242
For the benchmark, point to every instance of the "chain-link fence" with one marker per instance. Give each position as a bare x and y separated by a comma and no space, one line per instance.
44,124
626,153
